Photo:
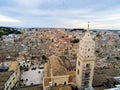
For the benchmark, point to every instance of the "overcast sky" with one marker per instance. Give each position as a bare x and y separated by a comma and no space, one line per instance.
60,13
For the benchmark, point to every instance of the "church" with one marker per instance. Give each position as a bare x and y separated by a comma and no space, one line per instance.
55,74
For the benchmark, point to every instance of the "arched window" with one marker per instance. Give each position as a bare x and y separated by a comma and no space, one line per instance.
79,63
78,71
55,84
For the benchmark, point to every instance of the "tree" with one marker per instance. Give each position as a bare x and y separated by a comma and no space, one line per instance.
97,51
8,30
108,57
44,57
75,41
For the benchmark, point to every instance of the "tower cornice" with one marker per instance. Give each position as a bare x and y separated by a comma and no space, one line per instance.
86,58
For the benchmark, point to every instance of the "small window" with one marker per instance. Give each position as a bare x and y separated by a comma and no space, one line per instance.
7,88
10,83
55,84
64,83
79,63
89,49
87,65
78,71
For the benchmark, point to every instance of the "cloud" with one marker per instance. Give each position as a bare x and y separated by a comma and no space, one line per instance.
106,26
8,19
59,13
28,3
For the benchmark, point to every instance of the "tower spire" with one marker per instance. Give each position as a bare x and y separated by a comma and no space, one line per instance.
88,26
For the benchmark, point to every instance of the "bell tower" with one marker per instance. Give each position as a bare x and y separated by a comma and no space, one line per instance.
85,62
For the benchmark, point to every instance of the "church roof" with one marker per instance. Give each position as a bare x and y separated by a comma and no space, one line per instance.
13,66
54,67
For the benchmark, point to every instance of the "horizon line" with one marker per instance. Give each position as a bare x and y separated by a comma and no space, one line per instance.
59,27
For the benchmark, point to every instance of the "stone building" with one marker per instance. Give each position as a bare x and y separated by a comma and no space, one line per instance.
8,79
85,62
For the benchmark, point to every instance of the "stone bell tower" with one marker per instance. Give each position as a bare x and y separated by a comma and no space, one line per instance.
85,62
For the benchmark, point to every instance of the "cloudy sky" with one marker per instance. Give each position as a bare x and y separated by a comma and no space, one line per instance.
60,13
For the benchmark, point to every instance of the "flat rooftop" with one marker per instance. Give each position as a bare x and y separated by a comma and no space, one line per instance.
33,76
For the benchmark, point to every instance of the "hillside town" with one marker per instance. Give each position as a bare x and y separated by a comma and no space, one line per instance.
60,59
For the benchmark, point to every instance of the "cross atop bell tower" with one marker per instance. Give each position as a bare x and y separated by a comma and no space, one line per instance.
88,27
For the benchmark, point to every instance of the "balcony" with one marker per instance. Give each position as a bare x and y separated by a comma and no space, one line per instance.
85,84
86,71
84,87
86,78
